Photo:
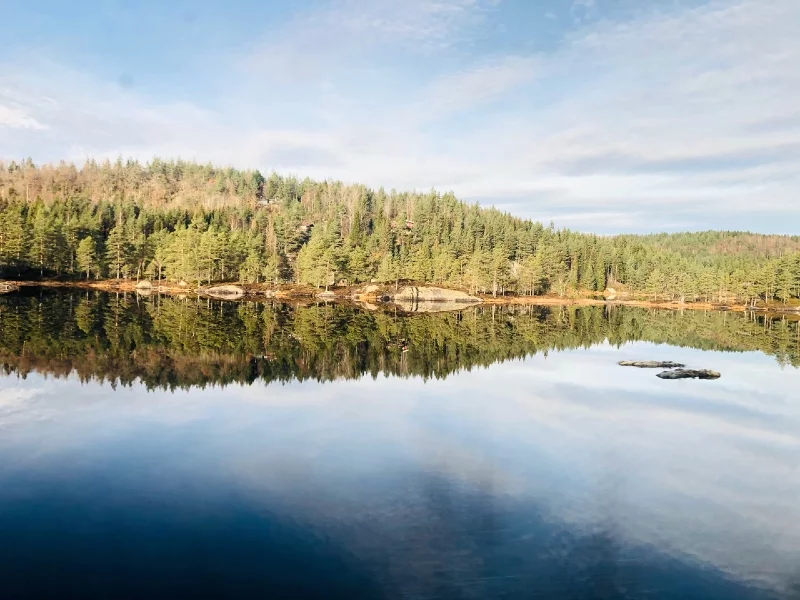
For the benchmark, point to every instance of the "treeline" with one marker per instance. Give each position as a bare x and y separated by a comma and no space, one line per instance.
167,342
197,223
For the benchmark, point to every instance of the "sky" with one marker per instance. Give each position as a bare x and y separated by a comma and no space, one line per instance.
600,115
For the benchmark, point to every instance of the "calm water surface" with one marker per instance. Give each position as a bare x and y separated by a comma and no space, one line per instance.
167,448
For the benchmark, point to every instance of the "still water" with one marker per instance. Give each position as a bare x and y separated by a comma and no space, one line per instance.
163,448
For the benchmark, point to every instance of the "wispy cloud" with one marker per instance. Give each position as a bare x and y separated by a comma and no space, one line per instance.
320,39
479,84
15,117
582,10
702,128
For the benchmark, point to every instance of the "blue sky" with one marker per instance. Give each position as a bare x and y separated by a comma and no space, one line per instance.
602,115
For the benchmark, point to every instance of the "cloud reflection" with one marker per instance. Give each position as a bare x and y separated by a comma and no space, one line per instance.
476,484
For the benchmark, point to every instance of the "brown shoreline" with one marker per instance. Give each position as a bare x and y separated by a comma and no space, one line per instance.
293,292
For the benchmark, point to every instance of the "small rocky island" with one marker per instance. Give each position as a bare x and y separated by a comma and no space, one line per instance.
677,369
650,364
690,374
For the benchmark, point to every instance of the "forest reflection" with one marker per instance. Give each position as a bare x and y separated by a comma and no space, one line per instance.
170,342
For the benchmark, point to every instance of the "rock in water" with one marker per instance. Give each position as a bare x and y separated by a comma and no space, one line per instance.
433,294
650,364
432,307
689,374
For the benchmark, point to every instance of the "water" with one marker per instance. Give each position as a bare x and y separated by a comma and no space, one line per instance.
156,447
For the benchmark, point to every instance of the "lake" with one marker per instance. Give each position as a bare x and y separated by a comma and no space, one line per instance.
174,447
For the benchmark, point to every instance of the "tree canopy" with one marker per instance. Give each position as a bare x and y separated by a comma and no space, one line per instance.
185,221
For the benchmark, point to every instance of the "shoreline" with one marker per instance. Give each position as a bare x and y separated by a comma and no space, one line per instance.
293,292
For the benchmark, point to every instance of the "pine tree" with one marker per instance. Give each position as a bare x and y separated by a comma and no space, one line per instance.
388,269
655,283
250,270
271,269
13,235
530,276
479,271
72,239
87,258
119,250
499,268
158,244
43,241
784,279
358,268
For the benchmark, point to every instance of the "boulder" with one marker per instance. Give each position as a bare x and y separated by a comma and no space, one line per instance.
370,290
689,374
225,292
650,364
327,295
433,294
144,284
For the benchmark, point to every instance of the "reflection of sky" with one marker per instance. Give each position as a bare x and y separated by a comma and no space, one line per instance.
703,470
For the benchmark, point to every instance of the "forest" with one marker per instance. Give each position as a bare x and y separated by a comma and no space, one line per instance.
182,221
166,342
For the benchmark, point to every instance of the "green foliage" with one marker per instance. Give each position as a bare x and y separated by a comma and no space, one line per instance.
119,251
13,237
87,257
185,221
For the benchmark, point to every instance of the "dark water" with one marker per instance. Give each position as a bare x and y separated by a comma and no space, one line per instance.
163,448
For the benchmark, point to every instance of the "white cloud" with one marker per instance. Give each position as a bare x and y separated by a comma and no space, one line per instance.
478,85
689,112
16,117
319,40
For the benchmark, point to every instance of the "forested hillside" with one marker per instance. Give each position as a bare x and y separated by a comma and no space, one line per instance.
185,221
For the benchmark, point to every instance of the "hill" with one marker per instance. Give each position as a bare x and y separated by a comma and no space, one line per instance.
185,221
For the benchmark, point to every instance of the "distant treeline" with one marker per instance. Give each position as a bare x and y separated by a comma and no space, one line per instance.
168,342
198,223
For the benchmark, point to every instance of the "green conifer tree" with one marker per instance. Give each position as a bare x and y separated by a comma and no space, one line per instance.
87,257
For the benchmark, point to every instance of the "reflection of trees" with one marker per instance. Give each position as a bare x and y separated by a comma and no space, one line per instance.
169,342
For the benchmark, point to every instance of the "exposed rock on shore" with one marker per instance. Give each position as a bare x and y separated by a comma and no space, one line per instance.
224,292
418,299
369,291
433,294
